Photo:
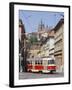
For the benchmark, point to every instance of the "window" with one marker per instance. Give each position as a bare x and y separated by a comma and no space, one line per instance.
51,62
28,62
35,62
41,61
38,62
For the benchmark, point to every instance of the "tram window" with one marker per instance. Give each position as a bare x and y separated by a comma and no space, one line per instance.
35,62
41,61
51,62
38,62
28,62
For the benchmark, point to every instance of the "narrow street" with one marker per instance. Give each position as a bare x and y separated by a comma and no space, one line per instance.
41,48
27,75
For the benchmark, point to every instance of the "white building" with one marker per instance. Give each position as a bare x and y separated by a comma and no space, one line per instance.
47,48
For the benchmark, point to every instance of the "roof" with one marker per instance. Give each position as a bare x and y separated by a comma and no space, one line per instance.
59,24
51,33
40,58
21,25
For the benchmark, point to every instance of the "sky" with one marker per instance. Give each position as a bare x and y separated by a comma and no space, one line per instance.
31,19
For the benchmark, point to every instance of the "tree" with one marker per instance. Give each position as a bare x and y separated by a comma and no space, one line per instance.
33,39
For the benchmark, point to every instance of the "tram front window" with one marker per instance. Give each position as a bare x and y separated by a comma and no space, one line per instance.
51,62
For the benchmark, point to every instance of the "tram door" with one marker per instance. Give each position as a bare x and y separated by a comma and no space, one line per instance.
33,64
45,64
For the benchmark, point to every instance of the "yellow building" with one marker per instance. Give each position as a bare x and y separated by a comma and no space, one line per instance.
59,45
44,50
34,51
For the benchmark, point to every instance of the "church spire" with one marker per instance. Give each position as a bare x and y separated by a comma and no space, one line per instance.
41,26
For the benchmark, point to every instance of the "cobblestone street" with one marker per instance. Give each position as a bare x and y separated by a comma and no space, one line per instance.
27,75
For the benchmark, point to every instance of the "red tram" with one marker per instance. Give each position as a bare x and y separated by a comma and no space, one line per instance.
44,65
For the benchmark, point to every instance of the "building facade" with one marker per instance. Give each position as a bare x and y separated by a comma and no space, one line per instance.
47,47
59,45
22,47
51,41
34,50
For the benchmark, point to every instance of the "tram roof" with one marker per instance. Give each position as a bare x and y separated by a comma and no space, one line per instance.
40,58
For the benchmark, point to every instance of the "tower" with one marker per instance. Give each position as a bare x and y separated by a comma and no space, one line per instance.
41,26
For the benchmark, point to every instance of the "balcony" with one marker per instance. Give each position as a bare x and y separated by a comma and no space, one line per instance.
58,48
58,38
